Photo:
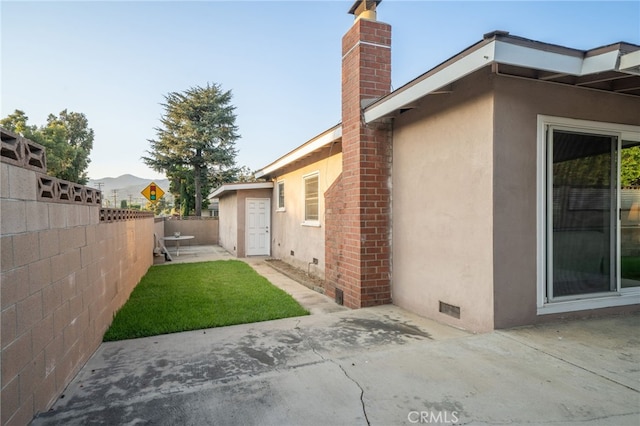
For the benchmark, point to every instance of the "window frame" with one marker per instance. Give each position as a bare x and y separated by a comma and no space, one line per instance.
280,194
306,221
545,306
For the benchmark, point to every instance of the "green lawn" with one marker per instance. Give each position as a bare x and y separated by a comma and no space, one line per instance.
192,296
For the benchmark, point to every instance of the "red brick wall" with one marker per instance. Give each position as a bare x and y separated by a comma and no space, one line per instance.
357,224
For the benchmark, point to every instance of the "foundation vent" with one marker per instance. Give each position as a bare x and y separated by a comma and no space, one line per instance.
339,296
451,310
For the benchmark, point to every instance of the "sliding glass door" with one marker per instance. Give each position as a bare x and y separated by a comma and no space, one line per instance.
630,214
588,215
581,210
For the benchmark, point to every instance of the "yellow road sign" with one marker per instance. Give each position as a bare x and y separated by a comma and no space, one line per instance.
152,192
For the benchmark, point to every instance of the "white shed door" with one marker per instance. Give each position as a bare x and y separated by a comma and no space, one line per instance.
257,227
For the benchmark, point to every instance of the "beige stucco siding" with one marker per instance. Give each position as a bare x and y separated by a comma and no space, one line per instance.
517,105
289,233
442,205
228,213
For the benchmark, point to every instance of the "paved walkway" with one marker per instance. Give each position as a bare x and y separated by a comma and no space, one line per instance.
378,366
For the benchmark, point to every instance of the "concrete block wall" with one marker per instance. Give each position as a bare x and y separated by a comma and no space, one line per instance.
205,230
64,273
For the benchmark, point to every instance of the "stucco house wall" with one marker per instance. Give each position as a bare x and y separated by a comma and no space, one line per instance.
442,205
291,240
517,105
229,223
471,220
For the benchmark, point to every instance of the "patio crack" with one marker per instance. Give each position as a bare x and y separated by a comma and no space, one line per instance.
313,349
364,407
322,357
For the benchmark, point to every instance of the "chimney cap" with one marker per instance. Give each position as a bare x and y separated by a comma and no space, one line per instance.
361,5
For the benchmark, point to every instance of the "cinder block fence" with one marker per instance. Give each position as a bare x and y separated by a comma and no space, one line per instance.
66,267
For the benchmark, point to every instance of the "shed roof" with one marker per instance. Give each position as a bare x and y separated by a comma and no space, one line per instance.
228,188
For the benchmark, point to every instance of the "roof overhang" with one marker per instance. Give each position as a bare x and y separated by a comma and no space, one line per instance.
316,144
550,62
233,187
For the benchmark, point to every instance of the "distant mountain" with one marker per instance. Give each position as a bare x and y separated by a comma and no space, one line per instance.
126,187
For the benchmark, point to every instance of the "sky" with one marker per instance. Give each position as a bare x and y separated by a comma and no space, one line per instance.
114,61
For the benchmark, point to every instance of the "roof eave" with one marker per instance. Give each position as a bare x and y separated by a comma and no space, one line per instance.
502,50
323,139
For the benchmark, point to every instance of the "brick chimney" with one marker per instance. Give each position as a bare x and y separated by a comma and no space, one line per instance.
358,205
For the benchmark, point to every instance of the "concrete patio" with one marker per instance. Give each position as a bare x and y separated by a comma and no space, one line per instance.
374,366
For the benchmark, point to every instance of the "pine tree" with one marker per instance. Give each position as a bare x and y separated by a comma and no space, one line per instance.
195,145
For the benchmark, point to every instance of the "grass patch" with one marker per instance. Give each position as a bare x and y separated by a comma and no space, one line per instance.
192,296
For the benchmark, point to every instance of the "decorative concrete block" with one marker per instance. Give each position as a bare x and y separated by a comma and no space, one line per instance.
13,213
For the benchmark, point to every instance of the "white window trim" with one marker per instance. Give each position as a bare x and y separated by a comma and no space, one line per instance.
278,208
312,223
626,296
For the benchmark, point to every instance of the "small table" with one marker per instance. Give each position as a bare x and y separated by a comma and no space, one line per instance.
177,240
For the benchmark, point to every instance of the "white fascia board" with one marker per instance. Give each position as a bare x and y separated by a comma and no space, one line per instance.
503,53
527,57
301,152
239,186
600,63
630,63
456,70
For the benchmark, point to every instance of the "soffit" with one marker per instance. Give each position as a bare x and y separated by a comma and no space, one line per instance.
613,68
